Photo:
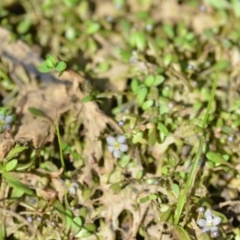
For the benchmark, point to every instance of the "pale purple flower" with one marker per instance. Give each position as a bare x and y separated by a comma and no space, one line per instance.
69,186
29,219
73,188
53,223
5,122
201,209
214,234
117,145
210,222
121,123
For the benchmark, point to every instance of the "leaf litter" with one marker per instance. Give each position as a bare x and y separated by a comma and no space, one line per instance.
119,204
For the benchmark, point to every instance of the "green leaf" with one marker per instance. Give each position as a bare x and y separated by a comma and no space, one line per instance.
205,236
221,65
123,162
50,61
158,80
93,27
24,26
181,233
176,189
13,153
168,29
161,127
149,81
139,40
70,3
11,165
59,208
77,224
14,183
68,220
24,166
219,4
167,59
87,99
90,227
87,193
143,200
147,104
135,86
83,233
152,136
138,138
142,94
37,112
2,231
236,7
44,68
139,174
61,66
152,196
217,158
118,186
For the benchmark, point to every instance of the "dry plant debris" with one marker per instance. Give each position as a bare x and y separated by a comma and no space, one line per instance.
119,119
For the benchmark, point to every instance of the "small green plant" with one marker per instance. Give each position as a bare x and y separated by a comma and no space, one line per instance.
52,64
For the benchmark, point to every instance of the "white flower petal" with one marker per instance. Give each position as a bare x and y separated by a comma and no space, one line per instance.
214,229
214,234
208,214
121,139
117,154
111,140
110,148
123,147
201,209
202,222
216,220
8,119
74,184
72,190
205,229
121,123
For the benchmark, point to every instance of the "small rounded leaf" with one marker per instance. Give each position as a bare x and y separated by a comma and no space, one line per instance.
142,94
149,81
44,68
162,128
11,165
61,66
135,86
87,99
147,104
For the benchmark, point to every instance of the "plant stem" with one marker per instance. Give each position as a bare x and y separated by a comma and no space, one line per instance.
60,145
201,149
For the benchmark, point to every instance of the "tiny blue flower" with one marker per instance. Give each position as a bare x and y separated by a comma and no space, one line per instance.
210,222
53,223
5,122
69,186
73,188
117,145
121,123
29,219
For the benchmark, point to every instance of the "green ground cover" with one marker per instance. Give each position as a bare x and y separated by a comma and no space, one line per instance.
119,119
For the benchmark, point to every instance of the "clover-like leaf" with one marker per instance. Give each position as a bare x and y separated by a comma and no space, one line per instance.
61,66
